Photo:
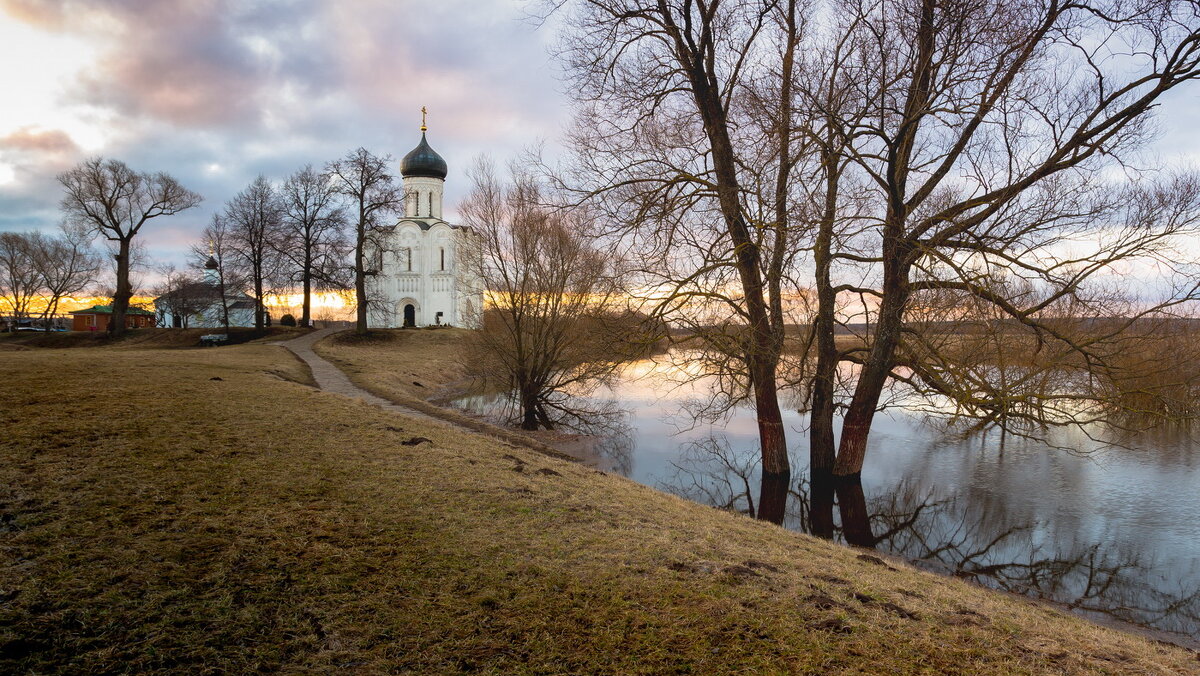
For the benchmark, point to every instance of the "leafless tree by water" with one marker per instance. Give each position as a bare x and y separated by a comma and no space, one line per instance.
685,138
991,149
555,321
952,168
115,202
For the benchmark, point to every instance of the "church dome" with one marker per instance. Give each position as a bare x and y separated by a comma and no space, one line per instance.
210,264
423,161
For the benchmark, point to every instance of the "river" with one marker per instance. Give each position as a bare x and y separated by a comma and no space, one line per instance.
1111,532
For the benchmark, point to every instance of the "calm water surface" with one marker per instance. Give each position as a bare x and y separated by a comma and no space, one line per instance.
1107,531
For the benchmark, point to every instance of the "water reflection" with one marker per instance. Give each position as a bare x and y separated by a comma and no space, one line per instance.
604,437
1107,531
956,536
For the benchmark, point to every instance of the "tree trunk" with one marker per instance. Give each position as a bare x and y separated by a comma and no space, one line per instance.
259,310
306,311
772,439
821,437
871,380
544,418
124,291
769,329
763,352
820,504
224,297
360,276
529,420
857,426
772,498
48,316
852,507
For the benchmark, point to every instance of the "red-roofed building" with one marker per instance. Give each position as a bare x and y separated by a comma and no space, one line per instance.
96,318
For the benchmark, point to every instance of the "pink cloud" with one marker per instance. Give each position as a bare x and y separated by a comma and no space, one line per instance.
45,15
30,139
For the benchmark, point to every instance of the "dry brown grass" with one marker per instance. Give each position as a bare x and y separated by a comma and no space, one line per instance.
423,364
202,514
415,368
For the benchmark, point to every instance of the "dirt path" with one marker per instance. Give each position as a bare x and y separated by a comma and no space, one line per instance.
331,379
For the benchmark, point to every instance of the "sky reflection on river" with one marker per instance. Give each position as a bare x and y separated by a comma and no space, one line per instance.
1111,532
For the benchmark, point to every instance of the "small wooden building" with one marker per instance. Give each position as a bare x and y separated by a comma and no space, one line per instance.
96,318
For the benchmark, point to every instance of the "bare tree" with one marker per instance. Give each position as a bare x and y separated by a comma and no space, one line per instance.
553,322
933,156
982,138
364,179
115,202
217,251
181,295
314,239
685,134
66,265
19,279
253,218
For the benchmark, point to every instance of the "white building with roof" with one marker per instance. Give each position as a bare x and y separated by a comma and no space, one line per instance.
198,304
420,278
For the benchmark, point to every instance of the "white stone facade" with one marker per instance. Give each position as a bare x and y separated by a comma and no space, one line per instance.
420,277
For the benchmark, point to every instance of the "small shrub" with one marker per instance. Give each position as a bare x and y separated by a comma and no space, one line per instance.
287,320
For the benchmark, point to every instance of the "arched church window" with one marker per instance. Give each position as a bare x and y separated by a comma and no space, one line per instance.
431,204
442,252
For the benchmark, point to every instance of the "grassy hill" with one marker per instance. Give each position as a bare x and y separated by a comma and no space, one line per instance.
205,510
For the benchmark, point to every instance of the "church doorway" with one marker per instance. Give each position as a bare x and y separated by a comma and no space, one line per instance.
410,315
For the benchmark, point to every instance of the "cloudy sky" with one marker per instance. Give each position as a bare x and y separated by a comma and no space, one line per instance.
218,91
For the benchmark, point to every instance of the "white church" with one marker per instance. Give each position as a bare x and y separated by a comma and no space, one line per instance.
421,278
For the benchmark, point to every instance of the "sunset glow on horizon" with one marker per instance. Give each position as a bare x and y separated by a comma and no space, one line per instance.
328,305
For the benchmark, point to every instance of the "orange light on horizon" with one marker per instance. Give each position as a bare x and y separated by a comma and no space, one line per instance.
327,305
68,304
329,302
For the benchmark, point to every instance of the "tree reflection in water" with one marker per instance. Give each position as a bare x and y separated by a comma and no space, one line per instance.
946,534
606,437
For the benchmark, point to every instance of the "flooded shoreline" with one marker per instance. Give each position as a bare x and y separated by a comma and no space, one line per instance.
1108,532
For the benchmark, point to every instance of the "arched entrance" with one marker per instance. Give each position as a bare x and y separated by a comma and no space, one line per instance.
410,315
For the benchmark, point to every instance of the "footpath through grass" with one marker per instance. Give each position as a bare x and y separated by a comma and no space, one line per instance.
423,369
402,364
196,510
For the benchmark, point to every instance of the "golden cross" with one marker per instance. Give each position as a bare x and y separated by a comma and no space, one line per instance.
423,111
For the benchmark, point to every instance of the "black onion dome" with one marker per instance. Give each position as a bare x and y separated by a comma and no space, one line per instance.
210,264
423,161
